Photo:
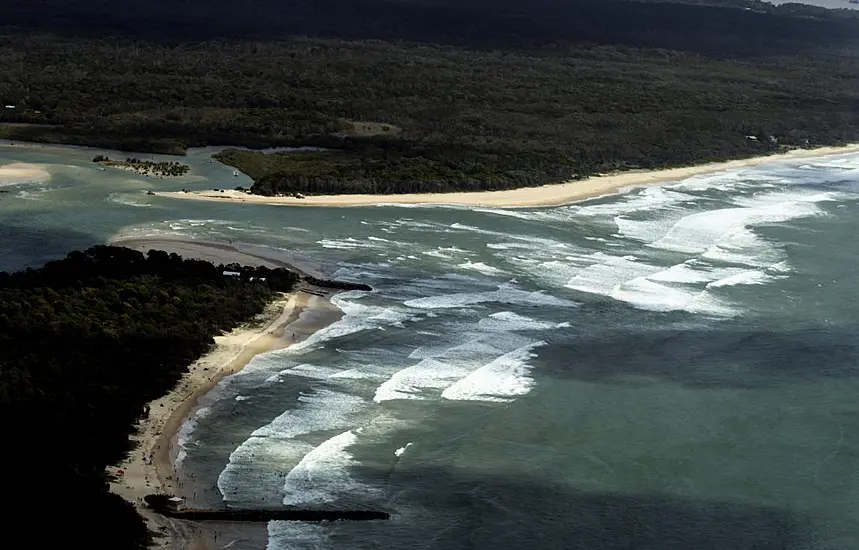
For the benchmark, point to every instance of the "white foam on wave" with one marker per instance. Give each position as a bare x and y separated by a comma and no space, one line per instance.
509,246
125,200
729,228
611,271
261,461
448,253
264,366
555,267
321,410
348,243
357,317
399,452
506,294
186,434
412,382
509,321
780,267
323,474
729,180
743,247
510,213
750,277
471,346
501,380
681,287
481,267
439,367
31,195
645,198
682,273
647,294
642,230
325,373
474,229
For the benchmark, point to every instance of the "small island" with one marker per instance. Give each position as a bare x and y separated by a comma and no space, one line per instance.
145,167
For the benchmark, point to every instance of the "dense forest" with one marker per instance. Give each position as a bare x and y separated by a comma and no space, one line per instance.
430,95
85,342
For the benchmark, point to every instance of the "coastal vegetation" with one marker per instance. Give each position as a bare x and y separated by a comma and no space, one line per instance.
170,168
433,95
85,343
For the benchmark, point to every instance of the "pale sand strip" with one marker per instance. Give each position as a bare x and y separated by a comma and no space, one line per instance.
221,253
18,172
149,467
547,195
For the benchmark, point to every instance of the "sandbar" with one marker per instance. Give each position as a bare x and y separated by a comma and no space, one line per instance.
19,172
222,253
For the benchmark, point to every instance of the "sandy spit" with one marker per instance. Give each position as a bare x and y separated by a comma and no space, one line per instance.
149,468
222,253
547,195
18,172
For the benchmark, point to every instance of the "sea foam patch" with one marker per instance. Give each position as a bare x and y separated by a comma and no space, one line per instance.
259,464
440,367
357,317
510,321
506,294
610,271
646,198
323,475
730,227
501,380
412,382
126,199
481,267
186,433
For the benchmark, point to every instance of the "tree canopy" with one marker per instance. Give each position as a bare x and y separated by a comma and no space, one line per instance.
85,342
420,95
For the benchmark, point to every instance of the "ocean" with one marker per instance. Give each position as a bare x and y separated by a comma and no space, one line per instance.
675,367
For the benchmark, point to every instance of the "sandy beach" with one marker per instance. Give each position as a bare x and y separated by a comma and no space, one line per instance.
18,172
149,467
546,195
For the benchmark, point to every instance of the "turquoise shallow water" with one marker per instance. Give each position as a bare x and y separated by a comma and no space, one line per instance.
675,367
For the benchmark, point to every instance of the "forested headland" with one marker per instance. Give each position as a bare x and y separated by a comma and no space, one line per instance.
432,95
85,343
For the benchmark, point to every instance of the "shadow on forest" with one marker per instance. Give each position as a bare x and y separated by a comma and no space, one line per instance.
480,23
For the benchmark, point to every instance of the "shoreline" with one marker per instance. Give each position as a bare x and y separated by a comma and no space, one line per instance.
149,467
557,194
